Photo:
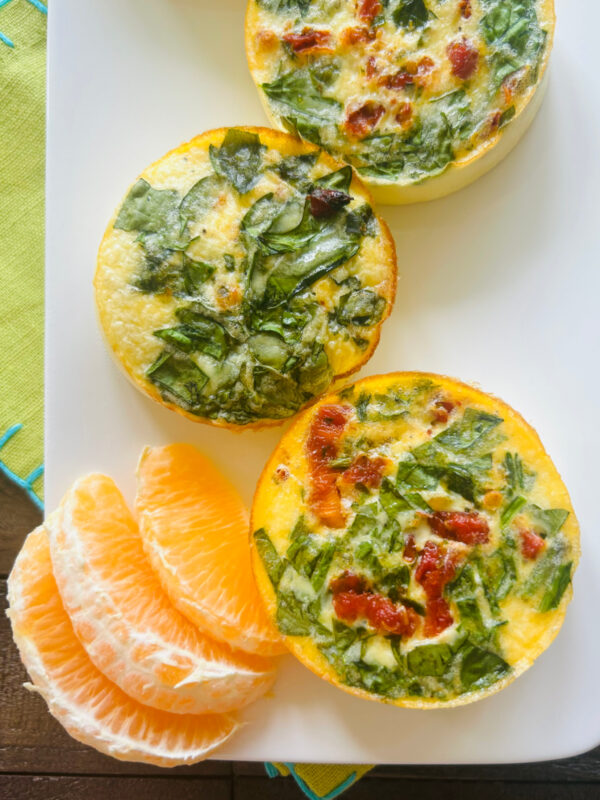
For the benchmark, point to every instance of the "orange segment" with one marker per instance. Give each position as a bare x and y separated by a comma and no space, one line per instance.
91,708
194,527
125,621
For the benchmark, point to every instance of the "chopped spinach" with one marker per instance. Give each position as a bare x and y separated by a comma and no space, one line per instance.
273,564
339,180
150,210
513,508
559,581
179,377
429,659
298,92
480,668
361,307
410,13
296,169
550,520
238,159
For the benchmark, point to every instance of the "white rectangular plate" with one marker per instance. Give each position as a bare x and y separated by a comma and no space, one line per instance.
499,284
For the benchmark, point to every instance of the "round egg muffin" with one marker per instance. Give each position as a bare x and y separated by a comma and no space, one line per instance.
414,542
421,96
242,273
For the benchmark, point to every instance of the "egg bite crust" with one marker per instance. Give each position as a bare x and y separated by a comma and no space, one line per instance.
475,154
524,631
129,317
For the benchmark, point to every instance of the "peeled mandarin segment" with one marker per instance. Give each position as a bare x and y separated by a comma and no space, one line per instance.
125,621
91,708
194,527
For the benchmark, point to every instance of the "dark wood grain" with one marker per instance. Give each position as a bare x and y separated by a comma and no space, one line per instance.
20,787
18,516
405,789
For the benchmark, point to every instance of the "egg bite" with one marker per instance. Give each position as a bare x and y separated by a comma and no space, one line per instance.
413,541
242,273
421,96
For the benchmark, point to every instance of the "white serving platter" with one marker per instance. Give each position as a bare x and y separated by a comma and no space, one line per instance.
499,285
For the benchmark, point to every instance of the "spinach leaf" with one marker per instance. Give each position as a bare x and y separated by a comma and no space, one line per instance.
395,583
513,508
283,6
195,274
179,376
429,659
361,307
273,564
394,502
469,432
260,215
294,238
293,617
362,221
299,93
498,574
205,335
322,565
296,169
269,349
286,275
278,394
550,520
315,372
480,668
543,572
558,585
339,180
150,210
362,405
410,14
200,198
238,159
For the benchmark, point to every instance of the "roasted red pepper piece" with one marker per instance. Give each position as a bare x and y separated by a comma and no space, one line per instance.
531,544
467,527
365,470
363,120
309,40
464,57
322,446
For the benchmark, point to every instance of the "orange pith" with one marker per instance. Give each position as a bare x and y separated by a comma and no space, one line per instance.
91,708
194,528
125,621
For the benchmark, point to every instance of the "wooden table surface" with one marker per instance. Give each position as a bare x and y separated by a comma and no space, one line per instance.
39,760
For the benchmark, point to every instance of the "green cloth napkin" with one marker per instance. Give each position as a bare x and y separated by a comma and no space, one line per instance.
22,89
22,128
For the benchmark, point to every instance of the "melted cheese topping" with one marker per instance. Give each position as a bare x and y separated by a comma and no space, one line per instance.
439,86
475,458
141,289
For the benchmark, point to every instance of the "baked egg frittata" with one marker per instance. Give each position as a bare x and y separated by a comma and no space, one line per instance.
241,274
413,93
413,541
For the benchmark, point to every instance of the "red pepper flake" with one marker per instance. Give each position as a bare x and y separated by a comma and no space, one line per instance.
464,57
309,41
410,549
404,113
465,8
358,35
435,569
467,527
368,9
363,120
325,202
322,446
531,544
365,470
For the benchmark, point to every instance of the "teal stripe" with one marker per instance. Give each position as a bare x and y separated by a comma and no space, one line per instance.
6,40
40,6
27,484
